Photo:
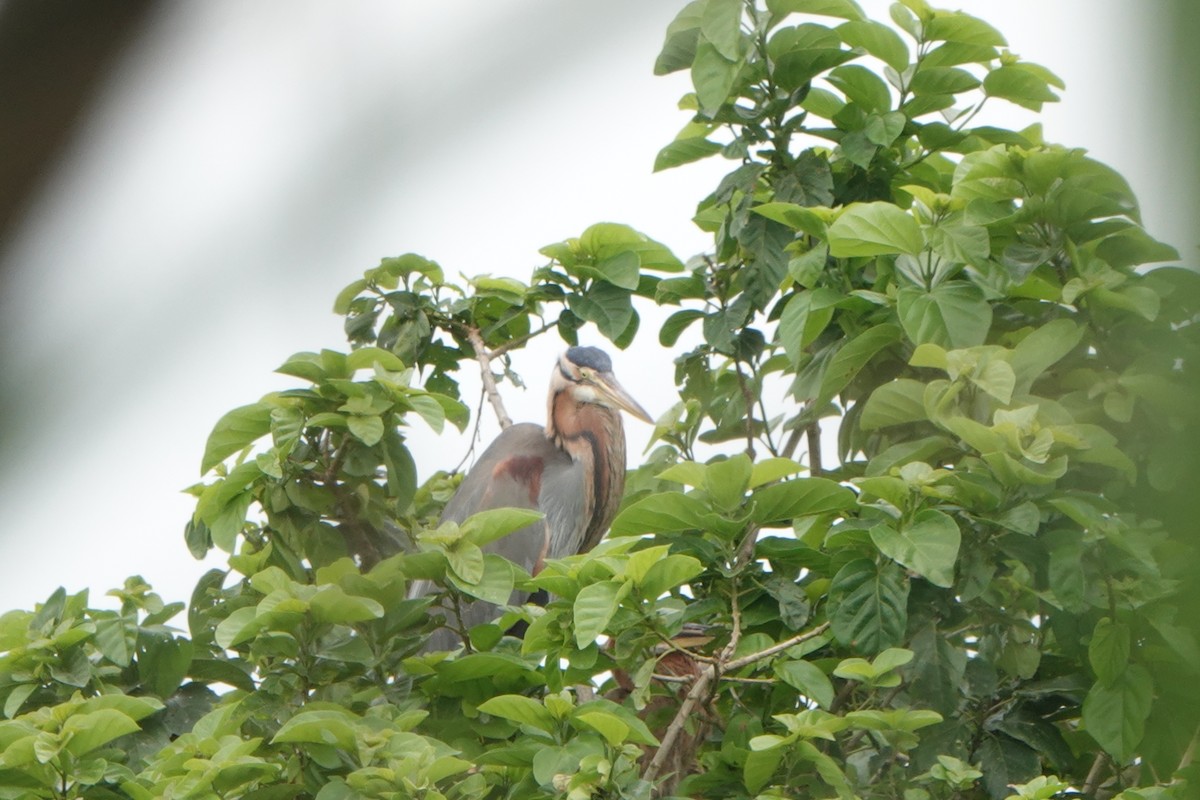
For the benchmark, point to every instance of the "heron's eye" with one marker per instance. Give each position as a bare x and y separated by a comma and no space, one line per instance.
586,374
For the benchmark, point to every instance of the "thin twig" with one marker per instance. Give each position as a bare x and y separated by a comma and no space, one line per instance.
1092,781
485,372
738,663
748,399
520,340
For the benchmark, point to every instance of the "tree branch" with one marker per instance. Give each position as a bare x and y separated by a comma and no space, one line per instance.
489,380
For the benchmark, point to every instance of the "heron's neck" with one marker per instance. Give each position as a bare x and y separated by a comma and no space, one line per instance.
592,435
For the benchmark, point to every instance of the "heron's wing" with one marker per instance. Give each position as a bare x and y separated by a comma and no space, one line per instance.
518,470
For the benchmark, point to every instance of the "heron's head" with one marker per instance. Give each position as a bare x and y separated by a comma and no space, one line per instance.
586,374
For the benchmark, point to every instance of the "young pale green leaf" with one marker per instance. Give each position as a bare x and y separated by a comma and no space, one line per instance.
237,429
726,481
496,583
772,469
614,731
781,503
877,39
485,527
367,429
955,26
668,573
84,733
689,473
874,229
953,314
332,604
1115,715
928,545
869,605
663,513
466,561
762,761
844,9
327,726
594,607
521,710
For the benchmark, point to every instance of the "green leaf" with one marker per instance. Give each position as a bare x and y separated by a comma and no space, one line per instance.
84,733
594,607
942,80
485,527
804,318
332,604
663,513
676,324
807,678
720,26
1115,715
796,216
1109,650
896,403
844,9
322,726
163,665
521,710
685,151
955,26
928,545
1020,85
953,314
786,501
713,75
869,605
668,573
682,34
466,561
877,39
237,429
608,725
607,306
862,87
874,229
772,469
367,429
848,361
726,481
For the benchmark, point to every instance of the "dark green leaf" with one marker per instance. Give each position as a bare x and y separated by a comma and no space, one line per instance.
1115,715
927,545
877,39
784,502
868,606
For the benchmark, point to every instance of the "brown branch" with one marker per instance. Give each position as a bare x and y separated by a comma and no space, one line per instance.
813,431
1095,774
489,380
700,689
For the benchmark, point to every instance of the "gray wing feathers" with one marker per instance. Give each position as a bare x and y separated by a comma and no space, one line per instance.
520,469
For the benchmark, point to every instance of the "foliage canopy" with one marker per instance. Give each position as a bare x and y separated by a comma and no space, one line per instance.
985,592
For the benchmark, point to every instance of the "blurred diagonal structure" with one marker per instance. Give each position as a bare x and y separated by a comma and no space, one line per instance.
55,56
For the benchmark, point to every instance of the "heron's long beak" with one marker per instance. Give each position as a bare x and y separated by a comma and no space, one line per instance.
615,393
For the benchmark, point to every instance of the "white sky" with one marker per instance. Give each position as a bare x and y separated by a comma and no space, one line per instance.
252,159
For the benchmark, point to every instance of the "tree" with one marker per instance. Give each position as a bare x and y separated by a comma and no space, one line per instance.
984,593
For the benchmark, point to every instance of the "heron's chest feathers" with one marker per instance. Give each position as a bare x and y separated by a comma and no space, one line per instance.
525,470
592,435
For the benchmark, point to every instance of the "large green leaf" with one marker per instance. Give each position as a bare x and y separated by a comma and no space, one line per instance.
1109,650
928,545
804,318
869,606
713,75
238,428
877,39
594,607
784,502
1115,715
850,359
897,403
874,229
522,710
953,314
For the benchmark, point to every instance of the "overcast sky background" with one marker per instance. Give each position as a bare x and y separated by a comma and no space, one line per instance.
250,159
